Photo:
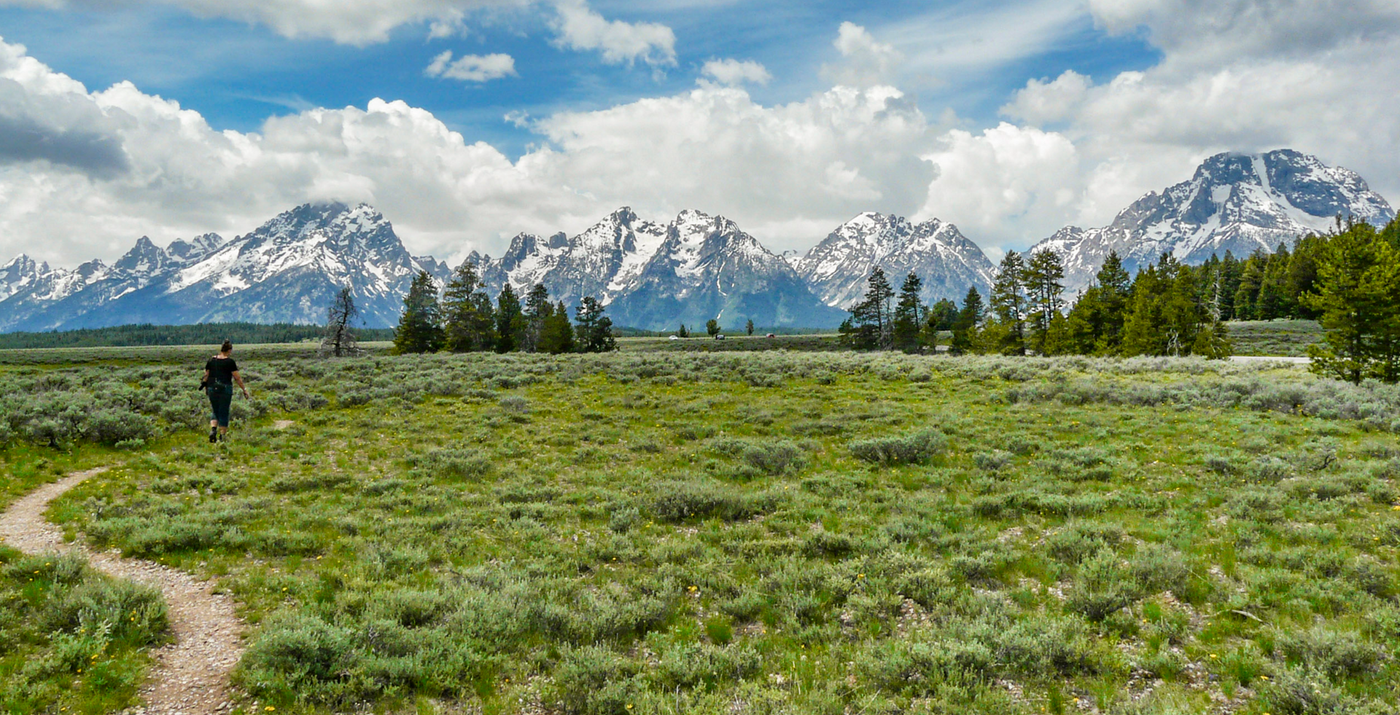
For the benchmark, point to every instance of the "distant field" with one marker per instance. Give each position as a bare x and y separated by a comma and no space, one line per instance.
1287,338
752,532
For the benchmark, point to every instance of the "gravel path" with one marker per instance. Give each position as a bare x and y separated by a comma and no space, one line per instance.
191,675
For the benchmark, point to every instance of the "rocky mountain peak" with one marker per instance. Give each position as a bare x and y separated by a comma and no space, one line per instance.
1233,202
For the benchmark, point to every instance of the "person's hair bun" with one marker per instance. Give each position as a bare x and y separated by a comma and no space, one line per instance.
226,347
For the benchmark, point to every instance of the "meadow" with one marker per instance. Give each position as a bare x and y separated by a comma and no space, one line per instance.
667,531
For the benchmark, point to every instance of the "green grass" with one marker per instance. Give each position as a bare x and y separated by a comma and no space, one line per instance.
1284,338
782,532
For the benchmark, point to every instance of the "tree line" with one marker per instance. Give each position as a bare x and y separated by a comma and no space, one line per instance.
146,334
1348,280
465,319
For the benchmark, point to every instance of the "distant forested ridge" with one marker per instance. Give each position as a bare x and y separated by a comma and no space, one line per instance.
146,334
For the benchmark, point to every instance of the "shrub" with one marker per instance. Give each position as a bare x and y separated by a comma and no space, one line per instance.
452,463
677,501
912,448
595,681
774,459
1332,653
1102,587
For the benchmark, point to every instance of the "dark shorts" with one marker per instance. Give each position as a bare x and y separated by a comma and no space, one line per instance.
220,397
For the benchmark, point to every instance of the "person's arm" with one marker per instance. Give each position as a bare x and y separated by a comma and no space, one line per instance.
206,375
239,379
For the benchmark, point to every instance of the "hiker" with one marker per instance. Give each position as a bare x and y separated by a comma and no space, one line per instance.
220,374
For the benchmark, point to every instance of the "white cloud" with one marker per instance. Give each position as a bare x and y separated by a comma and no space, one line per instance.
1003,183
356,22
866,61
779,170
471,68
735,72
1044,102
1235,76
580,28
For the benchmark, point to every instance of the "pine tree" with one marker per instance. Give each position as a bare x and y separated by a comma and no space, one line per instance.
467,313
420,325
1274,300
593,329
1142,334
870,325
943,314
537,311
748,327
510,320
1358,296
712,327
906,323
1114,285
338,339
1043,276
682,333
965,328
1251,278
557,334
1008,305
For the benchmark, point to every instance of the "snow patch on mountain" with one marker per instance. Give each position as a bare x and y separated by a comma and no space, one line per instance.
1234,202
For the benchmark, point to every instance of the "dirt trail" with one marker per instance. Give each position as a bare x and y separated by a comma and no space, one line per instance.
191,675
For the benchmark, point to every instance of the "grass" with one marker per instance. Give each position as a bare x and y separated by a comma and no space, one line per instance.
781,532
1283,338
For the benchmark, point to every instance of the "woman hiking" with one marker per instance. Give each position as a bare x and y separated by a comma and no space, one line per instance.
220,374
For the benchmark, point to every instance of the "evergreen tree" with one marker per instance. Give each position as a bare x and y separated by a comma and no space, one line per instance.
593,329
869,326
712,327
1043,277
1358,297
748,327
537,311
1274,301
1008,306
1251,278
943,314
338,339
906,325
1302,273
510,320
1231,271
1142,333
682,333
420,325
965,338
467,313
557,334
1114,286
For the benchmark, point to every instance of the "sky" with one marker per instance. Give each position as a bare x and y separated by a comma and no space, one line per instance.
468,121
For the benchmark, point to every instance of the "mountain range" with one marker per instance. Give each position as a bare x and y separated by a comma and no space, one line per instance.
1235,202
657,276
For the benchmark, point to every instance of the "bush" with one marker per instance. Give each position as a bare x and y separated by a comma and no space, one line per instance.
912,448
1332,653
595,681
452,463
774,459
677,501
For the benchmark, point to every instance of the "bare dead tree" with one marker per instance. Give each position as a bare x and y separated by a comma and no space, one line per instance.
339,340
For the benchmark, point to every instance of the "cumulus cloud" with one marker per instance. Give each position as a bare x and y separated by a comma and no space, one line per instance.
866,61
1003,182
736,72
580,28
788,173
471,68
1239,75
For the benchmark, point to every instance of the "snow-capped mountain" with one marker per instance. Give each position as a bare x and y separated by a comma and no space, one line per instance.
603,261
285,271
1235,202
707,267
656,276
946,261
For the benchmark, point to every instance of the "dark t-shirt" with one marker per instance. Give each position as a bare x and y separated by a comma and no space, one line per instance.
221,370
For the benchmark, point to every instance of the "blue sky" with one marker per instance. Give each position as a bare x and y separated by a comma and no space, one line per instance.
1010,119
237,74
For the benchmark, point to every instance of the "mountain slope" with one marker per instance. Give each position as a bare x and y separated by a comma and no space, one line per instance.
946,261
285,271
1234,202
656,276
